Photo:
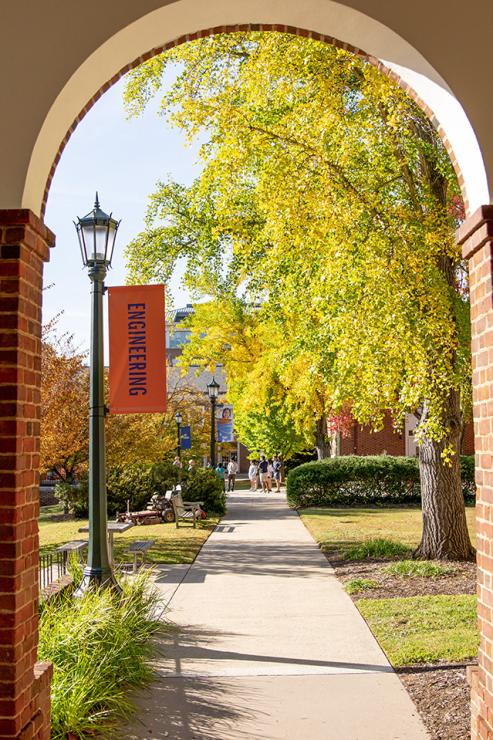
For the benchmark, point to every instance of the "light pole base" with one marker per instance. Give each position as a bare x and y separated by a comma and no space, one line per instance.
94,578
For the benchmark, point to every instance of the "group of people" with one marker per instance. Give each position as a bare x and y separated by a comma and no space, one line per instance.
264,472
269,472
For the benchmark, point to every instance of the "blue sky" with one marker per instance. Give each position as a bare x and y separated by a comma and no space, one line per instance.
121,159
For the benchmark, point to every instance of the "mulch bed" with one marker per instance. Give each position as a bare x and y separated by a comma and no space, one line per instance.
442,697
439,691
462,581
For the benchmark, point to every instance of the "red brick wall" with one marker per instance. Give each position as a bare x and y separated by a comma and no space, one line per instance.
363,441
476,237
24,697
468,439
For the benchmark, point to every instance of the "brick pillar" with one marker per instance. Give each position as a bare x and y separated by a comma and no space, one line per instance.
24,685
476,238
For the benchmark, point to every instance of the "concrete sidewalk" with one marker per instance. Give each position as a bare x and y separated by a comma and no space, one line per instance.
267,644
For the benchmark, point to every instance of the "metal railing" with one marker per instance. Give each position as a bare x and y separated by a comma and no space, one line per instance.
51,567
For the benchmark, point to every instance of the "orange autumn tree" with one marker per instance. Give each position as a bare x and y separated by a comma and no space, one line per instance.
149,438
130,438
64,405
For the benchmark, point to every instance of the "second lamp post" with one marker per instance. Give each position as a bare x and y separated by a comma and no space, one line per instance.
213,391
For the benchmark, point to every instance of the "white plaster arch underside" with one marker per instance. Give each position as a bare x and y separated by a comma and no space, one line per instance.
182,17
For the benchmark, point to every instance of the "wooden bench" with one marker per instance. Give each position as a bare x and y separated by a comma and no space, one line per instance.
73,546
186,510
140,547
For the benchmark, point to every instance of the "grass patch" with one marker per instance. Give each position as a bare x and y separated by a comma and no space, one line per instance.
418,569
336,528
375,548
171,546
99,646
423,629
356,585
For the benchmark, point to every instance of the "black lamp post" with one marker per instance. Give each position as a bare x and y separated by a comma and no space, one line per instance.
213,391
97,233
178,419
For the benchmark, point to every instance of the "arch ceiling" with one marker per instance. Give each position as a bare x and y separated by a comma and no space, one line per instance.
93,44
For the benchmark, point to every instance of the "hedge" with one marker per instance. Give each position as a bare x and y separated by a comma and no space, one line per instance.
351,480
138,482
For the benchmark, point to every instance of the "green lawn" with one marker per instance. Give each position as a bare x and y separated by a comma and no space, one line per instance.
417,629
423,629
337,529
171,546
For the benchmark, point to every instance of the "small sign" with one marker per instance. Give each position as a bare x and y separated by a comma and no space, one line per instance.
137,349
186,438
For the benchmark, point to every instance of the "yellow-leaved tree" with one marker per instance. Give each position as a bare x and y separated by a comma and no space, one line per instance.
327,199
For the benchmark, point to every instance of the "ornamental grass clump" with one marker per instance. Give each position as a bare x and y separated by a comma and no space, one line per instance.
100,647
418,569
375,548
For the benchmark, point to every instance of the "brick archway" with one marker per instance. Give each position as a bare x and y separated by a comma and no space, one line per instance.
260,27
24,242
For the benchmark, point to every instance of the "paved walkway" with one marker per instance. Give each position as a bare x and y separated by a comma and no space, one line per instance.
267,644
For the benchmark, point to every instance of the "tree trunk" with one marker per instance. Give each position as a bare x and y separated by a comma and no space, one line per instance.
445,534
322,443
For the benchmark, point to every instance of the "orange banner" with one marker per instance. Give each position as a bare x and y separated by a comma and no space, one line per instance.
137,349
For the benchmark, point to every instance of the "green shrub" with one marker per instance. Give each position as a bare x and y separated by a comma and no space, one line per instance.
360,584
356,480
375,548
137,483
418,569
134,482
73,496
166,475
99,645
467,474
205,485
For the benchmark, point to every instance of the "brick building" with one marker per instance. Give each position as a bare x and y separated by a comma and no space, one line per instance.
361,440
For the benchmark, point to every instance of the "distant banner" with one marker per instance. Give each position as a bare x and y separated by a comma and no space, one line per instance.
137,349
185,438
224,419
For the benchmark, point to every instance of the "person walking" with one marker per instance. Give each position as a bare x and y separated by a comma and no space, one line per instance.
264,476
232,470
252,475
221,471
277,466
270,474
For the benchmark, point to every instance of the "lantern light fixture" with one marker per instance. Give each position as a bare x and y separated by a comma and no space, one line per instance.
213,388
97,234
